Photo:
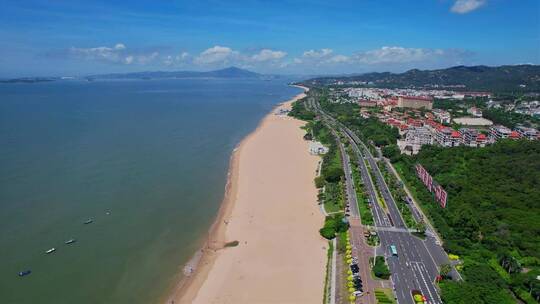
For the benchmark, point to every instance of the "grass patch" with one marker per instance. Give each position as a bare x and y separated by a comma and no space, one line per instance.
366,217
384,296
525,296
333,197
377,190
399,195
498,268
328,271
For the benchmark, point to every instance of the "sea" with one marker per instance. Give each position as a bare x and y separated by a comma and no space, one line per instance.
145,160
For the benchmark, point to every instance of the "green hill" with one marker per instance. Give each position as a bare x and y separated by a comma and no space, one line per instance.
492,218
502,78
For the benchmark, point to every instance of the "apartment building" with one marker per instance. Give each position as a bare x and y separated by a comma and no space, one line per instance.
472,138
499,132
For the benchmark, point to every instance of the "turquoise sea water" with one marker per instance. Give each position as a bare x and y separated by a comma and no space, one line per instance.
153,154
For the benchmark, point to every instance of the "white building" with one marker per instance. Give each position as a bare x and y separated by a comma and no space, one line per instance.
474,111
442,116
529,133
418,136
317,148
499,132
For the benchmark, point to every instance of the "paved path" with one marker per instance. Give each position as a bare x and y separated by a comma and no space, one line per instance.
334,273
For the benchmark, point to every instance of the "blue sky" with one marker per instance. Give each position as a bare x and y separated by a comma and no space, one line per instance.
72,37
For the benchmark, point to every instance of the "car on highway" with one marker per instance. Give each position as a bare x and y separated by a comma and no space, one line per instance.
393,250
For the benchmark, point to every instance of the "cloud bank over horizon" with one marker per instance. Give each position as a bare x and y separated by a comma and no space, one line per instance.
392,58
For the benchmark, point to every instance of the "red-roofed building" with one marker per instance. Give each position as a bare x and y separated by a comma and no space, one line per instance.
481,140
415,102
447,137
515,135
472,138
367,103
414,122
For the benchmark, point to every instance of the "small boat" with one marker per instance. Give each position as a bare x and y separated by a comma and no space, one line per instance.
89,221
25,273
50,250
70,241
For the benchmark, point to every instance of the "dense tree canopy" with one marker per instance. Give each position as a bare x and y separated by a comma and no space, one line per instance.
493,214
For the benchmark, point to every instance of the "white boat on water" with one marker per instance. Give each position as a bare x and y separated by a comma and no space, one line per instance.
50,250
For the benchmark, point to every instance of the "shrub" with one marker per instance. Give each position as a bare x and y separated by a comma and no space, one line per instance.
319,181
327,232
333,174
332,225
380,270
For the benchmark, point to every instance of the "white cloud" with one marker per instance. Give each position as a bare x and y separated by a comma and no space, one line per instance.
271,60
178,60
268,55
216,55
317,54
338,59
119,46
111,54
182,56
145,59
386,58
466,6
129,59
317,57
117,54
222,56
396,54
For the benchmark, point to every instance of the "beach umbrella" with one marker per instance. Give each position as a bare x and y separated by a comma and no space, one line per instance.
349,261
352,298
348,256
348,247
349,272
350,284
351,290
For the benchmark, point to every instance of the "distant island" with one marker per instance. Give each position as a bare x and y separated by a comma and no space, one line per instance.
231,72
502,78
28,79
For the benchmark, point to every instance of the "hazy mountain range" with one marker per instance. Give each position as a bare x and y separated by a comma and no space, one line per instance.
502,78
508,77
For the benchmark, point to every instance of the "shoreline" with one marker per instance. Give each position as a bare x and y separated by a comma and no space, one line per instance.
197,269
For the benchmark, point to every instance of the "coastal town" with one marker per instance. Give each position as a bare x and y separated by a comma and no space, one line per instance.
386,246
412,112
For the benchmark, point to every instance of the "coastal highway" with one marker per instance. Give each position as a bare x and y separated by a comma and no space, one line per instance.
415,267
349,183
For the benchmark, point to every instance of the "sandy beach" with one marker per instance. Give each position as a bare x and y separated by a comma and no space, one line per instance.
271,209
